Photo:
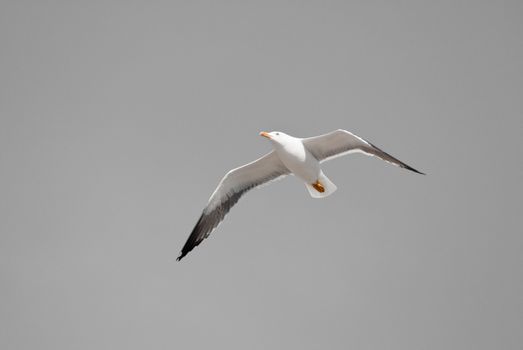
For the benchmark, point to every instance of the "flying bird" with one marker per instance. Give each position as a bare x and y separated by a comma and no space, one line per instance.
290,156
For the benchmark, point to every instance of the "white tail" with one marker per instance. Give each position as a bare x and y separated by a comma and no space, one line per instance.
330,187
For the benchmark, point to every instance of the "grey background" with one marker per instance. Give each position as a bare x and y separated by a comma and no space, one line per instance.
118,119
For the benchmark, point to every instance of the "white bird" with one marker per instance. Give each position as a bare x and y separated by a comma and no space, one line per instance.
291,156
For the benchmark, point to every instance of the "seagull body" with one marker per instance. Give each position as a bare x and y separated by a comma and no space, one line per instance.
298,160
290,156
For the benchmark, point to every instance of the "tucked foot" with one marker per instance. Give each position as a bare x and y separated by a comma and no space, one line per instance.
318,186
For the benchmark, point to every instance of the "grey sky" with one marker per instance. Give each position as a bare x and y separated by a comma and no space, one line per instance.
118,119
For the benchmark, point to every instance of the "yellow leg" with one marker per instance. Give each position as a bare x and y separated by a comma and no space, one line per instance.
318,186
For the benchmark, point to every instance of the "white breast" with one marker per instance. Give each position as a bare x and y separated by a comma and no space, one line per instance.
299,160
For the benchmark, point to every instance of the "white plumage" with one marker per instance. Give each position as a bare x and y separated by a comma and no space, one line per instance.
291,155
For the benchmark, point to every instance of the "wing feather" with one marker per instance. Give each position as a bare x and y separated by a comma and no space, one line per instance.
230,189
341,142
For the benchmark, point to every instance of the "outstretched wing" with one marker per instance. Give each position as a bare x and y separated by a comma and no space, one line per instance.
233,185
341,142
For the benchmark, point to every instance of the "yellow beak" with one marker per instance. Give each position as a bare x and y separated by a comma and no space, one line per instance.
265,134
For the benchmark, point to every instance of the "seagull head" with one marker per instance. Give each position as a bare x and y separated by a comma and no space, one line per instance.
275,136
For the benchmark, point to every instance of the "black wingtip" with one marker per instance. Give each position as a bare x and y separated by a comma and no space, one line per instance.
399,162
414,170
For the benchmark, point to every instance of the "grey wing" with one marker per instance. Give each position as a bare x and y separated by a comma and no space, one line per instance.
233,185
341,142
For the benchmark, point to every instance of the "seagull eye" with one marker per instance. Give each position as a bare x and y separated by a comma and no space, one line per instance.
277,133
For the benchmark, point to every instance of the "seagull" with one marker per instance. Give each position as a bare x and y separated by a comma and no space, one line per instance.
290,156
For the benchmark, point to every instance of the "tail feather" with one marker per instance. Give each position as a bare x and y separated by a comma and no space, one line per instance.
327,184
